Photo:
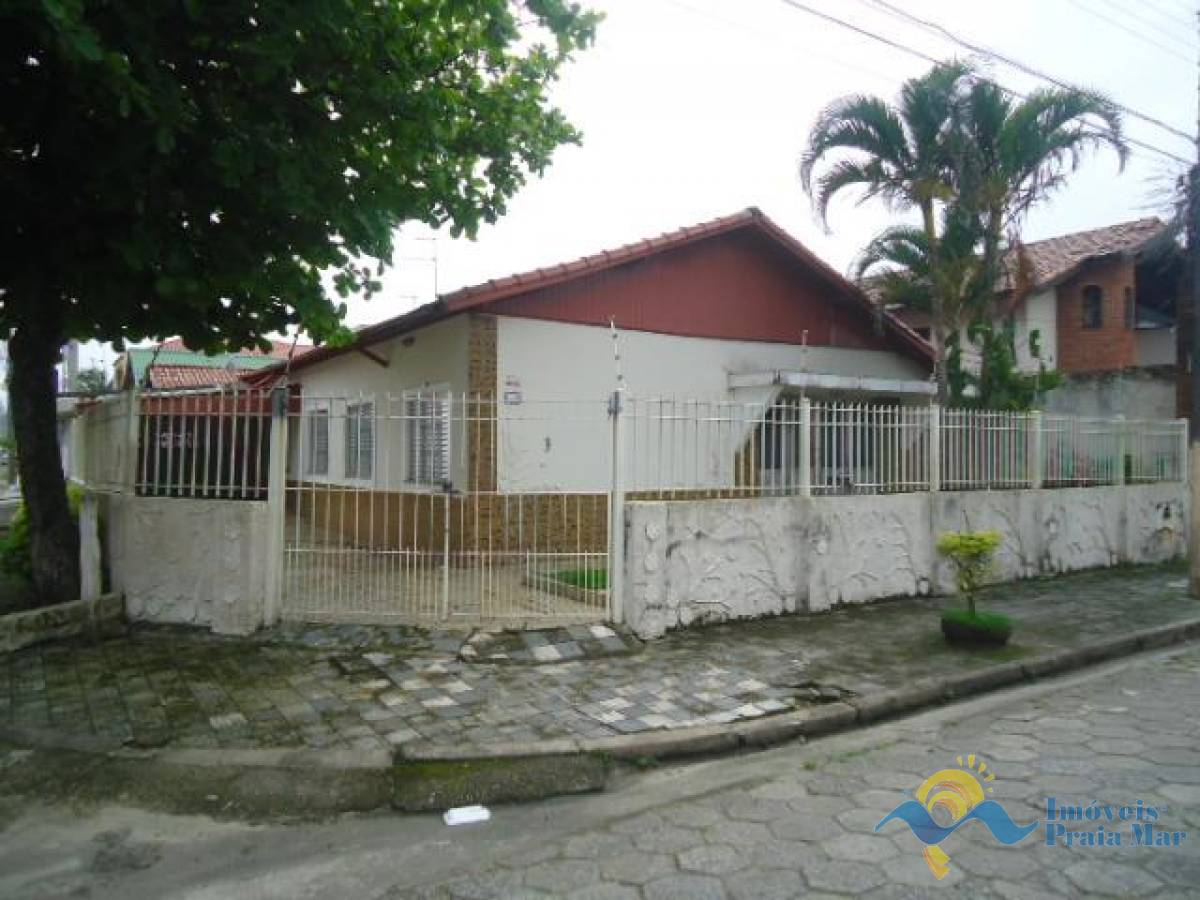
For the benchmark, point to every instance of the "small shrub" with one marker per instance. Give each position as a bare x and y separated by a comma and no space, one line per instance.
964,626
15,558
970,553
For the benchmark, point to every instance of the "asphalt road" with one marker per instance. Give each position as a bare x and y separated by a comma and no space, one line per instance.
1109,746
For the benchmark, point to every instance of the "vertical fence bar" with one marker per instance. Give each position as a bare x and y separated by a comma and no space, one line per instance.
616,516
805,447
1037,471
276,503
935,447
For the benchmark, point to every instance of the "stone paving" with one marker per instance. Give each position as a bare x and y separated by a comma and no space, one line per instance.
1118,741
347,686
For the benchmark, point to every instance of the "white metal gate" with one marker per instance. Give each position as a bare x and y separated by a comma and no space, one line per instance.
432,507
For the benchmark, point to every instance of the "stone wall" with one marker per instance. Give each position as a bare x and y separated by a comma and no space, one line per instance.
714,560
193,562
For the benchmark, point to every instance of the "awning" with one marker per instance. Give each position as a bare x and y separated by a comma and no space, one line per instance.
819,381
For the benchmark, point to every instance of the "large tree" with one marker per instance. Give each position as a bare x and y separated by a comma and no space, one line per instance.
972,160
199,167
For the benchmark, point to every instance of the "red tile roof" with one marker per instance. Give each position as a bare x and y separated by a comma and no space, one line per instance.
477,296
1058,258
185,377
279,349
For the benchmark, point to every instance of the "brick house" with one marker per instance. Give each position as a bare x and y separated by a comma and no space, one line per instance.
1102,306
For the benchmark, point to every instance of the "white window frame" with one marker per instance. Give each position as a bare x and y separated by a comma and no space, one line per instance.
421,468
358,414
315,415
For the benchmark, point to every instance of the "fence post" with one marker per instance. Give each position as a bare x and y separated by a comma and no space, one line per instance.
616,516
131,441
935,447
89,548
276,502
1037,473
805,447
1184,444
1119,475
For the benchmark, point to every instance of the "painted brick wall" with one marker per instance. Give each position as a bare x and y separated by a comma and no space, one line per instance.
1112,346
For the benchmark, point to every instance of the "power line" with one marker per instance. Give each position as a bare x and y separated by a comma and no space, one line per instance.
1156,27
904,48
1149,40
988,53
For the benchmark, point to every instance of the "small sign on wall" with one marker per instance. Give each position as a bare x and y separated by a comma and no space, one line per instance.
512,391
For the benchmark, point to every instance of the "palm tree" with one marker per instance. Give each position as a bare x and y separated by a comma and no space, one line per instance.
957,144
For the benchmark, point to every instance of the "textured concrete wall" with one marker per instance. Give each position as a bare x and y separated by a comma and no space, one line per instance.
1147,393
714,560
193,562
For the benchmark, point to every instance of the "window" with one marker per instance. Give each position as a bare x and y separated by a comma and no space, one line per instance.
360,440
1093,307
427,422
1130,309
317,462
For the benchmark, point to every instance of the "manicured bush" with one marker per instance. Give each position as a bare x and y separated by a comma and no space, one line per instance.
970,553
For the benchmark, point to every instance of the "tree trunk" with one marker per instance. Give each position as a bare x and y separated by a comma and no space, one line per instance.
53,535
937,336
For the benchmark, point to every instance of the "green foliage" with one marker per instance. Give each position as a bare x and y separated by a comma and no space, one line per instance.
970,553
93,380
591,579
14,547
966,626
972,161
998,384
199,168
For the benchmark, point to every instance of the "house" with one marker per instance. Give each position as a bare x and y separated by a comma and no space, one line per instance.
731,310
1101,306
172,366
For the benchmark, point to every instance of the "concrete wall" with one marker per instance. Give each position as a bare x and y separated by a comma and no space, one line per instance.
1132,393
1156,347
541,360
711,561
192,562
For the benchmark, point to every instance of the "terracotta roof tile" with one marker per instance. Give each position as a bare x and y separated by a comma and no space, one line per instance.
185,377
1056,259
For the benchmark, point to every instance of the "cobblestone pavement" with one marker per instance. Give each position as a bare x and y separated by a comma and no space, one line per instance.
355,687
1120,741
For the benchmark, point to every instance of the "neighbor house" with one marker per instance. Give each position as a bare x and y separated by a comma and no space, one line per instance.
172,366
1101,307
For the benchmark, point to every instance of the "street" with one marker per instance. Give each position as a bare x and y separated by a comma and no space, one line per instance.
1106,745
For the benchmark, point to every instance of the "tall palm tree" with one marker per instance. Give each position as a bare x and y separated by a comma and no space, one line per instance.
954,140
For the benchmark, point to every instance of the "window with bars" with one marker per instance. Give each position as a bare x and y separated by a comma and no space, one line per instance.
427,423
360,440
317,462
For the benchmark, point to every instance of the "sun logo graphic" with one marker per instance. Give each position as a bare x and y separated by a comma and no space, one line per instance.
959,795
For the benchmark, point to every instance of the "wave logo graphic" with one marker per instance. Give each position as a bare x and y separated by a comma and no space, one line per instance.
961,794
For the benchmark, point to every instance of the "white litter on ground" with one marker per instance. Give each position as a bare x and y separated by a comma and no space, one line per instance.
466,815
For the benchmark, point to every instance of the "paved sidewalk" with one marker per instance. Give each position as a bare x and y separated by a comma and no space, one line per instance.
333,688
1118,742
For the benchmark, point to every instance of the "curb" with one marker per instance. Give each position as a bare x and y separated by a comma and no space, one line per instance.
420,776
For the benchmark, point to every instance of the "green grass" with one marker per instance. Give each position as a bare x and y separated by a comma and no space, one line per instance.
589,579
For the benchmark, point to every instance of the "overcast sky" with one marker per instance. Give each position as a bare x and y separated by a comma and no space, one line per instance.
692,109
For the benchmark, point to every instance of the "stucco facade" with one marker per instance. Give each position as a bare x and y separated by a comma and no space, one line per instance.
711,561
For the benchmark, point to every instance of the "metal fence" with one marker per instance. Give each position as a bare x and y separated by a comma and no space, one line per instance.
436,507
428,506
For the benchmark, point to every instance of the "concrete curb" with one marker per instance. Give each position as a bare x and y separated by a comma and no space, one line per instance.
422,776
